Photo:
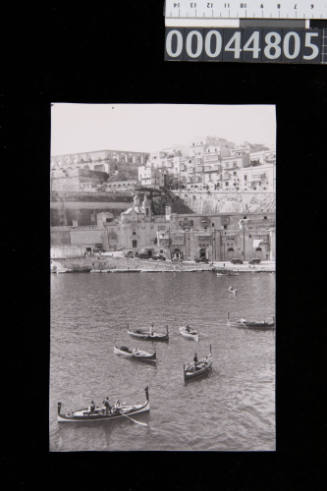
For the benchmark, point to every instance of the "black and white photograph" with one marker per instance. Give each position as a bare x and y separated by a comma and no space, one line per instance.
162,271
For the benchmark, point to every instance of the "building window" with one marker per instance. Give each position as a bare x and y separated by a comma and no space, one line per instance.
134,243
134,233
265,218
225,226
245,177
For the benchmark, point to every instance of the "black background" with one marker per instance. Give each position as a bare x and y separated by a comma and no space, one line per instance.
116,54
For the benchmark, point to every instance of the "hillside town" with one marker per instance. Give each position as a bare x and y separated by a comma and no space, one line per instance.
210,202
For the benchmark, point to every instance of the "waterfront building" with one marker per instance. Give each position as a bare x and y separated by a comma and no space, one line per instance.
219,237
190,236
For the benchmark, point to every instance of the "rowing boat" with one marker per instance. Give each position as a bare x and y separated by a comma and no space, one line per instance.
135,354
99,413
198,369
189,333
148,335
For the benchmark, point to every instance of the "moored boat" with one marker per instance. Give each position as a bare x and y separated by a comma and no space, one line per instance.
149,335
225,272
198,368
135,354
189,333
245,324
99,413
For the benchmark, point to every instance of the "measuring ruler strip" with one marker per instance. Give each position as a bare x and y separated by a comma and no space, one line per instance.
247,9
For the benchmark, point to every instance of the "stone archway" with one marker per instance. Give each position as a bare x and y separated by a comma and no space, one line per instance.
230,253
203,253
177,254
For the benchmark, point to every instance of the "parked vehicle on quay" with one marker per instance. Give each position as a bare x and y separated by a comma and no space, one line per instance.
236,261
255,261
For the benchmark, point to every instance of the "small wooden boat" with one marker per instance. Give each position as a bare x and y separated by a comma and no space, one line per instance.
99,413
58,268
189,333
135,354
245,324
224,272
148,335
198,368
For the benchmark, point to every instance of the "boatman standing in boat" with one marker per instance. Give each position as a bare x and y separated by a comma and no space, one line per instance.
107,405
151,329
195,359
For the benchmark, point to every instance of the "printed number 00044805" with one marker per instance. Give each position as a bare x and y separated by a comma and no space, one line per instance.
283,45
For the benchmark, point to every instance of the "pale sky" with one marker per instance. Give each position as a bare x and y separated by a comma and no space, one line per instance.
151,127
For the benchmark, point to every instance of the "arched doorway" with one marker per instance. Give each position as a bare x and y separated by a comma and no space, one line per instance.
258,253
177,254
203,253
230,253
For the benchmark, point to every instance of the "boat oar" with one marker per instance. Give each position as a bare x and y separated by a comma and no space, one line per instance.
134,420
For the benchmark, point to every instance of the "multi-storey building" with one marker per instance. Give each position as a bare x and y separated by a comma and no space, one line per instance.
101,160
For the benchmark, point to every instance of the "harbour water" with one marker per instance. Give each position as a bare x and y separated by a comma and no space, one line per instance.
231,410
